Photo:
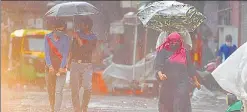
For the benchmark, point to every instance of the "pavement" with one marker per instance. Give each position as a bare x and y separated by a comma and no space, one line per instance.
37,101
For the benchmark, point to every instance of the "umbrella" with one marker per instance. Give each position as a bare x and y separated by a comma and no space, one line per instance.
170,16
72,9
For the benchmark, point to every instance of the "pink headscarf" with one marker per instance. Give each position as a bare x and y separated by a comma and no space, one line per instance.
178,56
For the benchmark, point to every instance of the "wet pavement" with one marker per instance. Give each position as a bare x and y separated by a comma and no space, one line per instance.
37,101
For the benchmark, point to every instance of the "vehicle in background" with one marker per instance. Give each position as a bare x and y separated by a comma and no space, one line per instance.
130,66
27,65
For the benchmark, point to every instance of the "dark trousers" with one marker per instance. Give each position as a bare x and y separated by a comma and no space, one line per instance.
81,76
51,84
55,85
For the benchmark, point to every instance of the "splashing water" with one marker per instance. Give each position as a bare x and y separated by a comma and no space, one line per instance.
202,93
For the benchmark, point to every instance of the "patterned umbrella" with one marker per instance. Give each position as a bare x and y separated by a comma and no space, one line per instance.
170,16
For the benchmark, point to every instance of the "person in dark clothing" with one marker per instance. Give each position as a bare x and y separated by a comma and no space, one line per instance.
83,45
175,72
56,53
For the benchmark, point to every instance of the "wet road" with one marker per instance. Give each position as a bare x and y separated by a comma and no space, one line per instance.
31,101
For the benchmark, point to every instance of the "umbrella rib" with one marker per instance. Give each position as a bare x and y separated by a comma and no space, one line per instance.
57,11
76,9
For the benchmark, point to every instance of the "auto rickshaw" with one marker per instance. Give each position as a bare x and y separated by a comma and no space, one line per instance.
27,65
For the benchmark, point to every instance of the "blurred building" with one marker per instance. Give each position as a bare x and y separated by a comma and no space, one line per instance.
243,21
227,16
25,14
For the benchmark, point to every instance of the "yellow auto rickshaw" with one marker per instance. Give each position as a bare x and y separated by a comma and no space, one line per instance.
27,65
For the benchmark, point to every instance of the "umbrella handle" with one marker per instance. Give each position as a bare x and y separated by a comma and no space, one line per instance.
74,23
70,45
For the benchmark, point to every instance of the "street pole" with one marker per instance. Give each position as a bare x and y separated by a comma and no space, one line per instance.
134,51
145,48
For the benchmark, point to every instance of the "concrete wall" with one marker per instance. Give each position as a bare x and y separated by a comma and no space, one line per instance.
243,22
235,13
210,11
235,18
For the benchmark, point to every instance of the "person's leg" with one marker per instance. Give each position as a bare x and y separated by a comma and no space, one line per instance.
162,108
245,105
74,81
59,92
51,84
165,103
181,102
87,85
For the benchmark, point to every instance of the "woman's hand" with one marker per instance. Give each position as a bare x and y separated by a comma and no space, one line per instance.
51,69
197,84
78,39
162,76
62,70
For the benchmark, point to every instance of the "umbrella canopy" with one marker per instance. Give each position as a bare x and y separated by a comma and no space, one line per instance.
72,9
170,16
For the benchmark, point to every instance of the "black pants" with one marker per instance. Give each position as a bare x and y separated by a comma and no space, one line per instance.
51,85
81,76
55,85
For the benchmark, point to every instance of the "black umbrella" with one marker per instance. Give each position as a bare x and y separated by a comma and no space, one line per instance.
71,9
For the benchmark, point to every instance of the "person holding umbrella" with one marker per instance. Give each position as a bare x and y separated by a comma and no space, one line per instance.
56,53
174,72
83,45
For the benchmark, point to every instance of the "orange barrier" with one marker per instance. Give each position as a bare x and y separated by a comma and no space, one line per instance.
98,85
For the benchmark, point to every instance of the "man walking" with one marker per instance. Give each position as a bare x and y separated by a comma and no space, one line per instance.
226,49
83,45
56,53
